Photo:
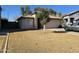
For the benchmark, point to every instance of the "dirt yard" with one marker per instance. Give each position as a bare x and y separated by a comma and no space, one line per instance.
42,41
2,39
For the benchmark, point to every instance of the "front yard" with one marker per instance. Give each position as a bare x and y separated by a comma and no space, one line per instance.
42,41
2,42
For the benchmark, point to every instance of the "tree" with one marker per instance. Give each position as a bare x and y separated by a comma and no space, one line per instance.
25,10
22,11
38,12
52,12
43,14
60,14
45,18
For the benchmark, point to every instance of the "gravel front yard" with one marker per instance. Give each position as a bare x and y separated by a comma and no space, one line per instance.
42,41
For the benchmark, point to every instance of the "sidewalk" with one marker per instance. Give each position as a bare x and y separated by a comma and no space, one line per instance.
57,29
73,33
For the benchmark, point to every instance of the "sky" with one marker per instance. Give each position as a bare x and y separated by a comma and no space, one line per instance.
11,12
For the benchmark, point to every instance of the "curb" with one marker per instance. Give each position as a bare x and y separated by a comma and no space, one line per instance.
6,43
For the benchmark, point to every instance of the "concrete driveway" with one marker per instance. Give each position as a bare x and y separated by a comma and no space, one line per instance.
62,30
73,33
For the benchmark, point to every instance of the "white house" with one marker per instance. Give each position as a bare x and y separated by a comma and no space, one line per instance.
31,22
71,18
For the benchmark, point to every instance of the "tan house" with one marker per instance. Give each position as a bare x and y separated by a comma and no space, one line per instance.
31,22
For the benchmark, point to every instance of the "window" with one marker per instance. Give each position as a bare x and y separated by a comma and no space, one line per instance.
71,20
77,21
66,20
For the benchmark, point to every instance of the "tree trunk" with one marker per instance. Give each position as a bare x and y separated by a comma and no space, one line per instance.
44,27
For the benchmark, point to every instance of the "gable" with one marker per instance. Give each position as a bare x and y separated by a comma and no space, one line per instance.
75,14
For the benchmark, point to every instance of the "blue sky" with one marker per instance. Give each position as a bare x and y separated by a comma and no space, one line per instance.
13,11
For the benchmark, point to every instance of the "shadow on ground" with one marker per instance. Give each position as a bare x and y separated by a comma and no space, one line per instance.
3,32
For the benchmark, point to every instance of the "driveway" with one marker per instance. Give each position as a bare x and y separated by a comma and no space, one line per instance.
73,33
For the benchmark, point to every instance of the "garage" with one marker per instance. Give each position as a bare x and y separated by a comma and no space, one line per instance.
31,22
54,22
27,24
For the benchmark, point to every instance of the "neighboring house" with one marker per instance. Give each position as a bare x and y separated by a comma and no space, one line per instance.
71,18
71,21
31,22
